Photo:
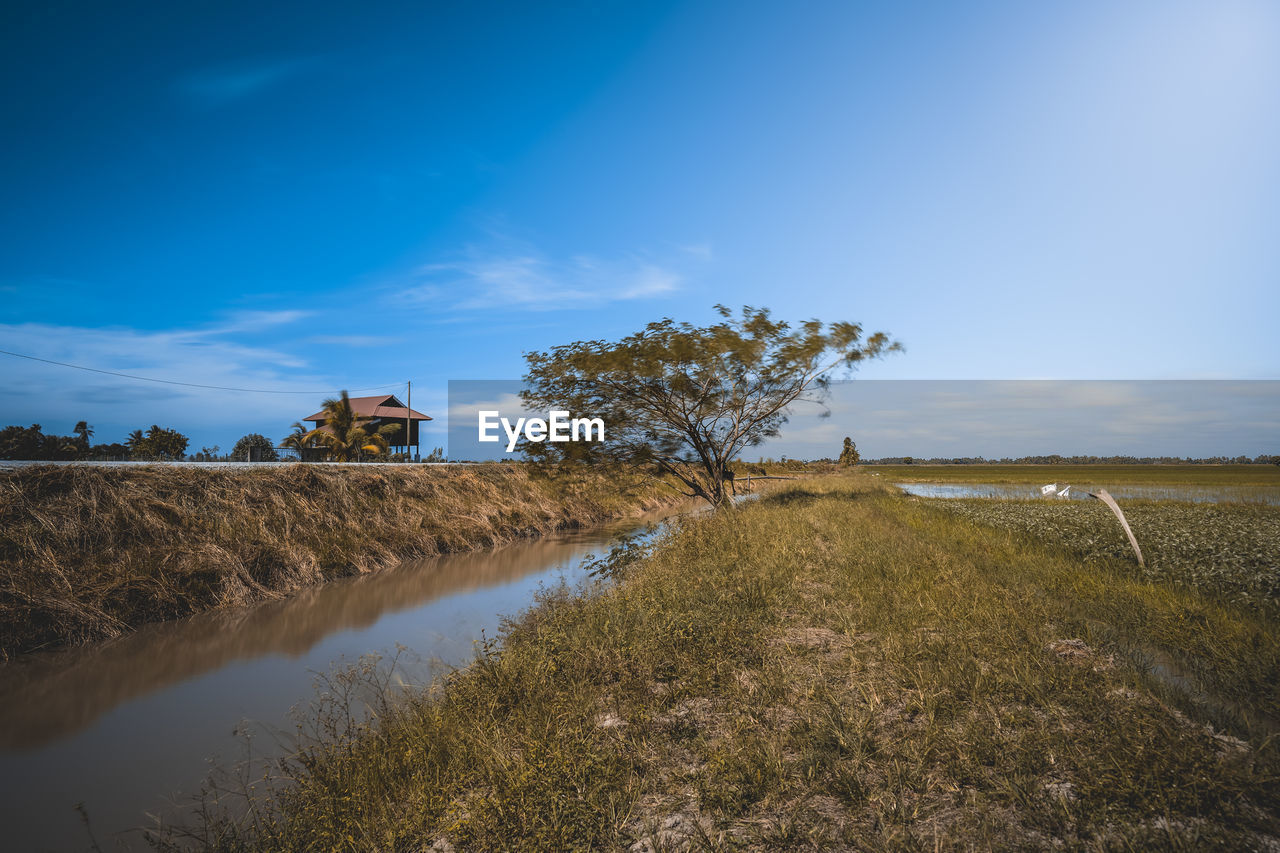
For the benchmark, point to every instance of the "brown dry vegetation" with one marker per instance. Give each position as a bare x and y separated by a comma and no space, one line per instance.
88,552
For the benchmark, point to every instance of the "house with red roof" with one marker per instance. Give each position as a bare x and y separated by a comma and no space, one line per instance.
380,410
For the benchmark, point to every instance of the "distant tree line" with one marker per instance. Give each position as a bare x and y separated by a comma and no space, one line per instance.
1056,459
31,443
352,442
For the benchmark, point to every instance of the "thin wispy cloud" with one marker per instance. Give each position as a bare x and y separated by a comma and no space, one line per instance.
353,340
226,84
254,321
532,281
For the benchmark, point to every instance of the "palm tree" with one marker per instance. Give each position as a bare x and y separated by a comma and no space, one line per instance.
345,434
298,440
84,432
135,442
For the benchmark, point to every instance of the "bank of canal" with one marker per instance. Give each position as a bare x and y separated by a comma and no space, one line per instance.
129,726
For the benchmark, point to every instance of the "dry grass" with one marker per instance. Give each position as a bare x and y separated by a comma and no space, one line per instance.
88,552
831,667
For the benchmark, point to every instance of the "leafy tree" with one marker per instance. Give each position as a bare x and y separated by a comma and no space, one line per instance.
32,443
254,444
157,443
22,442
298,440
849,453
685,401
346,435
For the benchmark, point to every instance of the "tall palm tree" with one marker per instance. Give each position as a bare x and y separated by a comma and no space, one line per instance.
80,445
135,441
345,433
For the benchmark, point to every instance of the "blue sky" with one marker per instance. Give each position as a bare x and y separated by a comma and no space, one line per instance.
314,196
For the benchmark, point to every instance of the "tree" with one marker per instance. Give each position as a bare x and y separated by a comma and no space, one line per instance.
254,447
346,435
849,453
83,432
22,442
685,401
298,440
158,443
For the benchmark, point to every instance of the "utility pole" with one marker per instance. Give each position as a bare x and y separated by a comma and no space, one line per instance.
408,420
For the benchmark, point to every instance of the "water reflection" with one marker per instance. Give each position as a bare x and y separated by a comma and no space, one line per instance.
124,726
1080,491
63,692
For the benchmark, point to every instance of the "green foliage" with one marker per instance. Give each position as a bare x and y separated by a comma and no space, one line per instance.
157,443
254,447
298,440
684,400
31,443
27,443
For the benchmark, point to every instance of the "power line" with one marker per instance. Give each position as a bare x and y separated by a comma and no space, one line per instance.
187,384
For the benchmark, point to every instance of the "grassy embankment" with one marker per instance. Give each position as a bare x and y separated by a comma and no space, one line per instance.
831,666
86,553
1101,475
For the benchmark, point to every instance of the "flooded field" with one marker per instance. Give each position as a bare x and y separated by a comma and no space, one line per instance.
1253,494
129,726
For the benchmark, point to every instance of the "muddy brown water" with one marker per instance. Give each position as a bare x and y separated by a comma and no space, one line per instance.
132,726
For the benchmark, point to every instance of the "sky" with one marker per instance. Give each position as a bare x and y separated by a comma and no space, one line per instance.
303,197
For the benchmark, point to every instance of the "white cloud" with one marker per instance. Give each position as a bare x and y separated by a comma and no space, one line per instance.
252,321
530,280
353,340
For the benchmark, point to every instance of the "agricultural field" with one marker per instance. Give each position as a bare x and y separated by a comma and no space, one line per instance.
1230,551
1082,475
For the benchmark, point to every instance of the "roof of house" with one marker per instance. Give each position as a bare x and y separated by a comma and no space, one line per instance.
382,406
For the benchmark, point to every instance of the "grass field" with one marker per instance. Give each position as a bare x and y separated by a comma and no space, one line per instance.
1097,475
833,665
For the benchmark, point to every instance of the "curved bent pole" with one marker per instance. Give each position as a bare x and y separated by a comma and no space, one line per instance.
1102,495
